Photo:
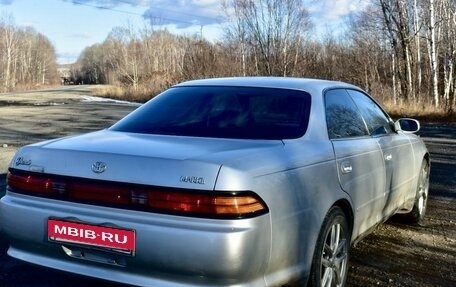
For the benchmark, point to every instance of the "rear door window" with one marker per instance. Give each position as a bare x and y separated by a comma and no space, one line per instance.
376,119
342,116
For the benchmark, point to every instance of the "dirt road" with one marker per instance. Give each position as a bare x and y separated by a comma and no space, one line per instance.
393,255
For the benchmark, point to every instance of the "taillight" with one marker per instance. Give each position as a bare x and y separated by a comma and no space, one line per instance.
216,204
239,204
30,183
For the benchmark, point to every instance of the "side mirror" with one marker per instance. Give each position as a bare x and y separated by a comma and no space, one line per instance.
407,125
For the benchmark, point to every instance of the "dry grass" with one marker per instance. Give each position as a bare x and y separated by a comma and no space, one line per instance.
140,95
421,111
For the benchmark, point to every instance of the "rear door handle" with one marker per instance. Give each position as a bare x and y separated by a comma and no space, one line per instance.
388,157
346,167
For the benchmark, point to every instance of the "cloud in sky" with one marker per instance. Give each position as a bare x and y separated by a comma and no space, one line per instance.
335,10
110,3
184,13
329,16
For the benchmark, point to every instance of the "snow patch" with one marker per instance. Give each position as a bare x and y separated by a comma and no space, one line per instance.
49,104
107,100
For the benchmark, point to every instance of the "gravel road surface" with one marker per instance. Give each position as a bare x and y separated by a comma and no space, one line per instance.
394,255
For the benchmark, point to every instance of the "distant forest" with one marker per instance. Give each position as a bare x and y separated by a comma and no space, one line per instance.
27,58
400,51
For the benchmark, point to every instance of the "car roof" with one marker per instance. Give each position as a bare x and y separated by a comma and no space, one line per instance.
304,84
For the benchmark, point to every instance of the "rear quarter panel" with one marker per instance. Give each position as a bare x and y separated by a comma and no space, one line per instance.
299,194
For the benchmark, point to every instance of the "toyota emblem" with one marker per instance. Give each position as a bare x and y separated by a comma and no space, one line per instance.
99,167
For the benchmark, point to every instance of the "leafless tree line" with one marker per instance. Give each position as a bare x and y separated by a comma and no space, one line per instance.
402,51
422,36
27,58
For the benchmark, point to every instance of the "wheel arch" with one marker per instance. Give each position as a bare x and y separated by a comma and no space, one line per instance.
427,157
346,207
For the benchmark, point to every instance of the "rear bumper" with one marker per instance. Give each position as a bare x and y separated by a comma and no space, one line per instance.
170,250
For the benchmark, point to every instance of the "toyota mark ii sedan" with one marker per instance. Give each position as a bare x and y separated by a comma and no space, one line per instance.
219,182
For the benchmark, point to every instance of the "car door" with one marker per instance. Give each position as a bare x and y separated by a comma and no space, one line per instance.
359,159
396,149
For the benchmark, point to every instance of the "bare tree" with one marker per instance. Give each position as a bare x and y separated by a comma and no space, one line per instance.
433,53
448,20
9,38
126,54
417,31
269,32
397,22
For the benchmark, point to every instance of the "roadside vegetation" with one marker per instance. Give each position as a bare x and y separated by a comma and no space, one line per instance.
27,58
402,52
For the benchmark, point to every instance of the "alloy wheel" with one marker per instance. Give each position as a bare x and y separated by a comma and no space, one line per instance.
334,257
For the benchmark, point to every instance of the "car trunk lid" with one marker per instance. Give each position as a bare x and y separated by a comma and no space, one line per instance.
170,161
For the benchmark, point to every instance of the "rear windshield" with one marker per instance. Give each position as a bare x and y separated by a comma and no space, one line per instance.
222,112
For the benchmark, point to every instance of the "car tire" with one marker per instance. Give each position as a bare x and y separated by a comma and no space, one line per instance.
330,260
422,192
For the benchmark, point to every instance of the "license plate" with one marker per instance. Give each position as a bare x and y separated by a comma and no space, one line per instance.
114,239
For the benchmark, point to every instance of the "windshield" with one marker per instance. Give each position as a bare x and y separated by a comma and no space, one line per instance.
222,112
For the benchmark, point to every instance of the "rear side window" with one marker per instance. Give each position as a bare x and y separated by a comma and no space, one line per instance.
342,116
222,112
377,121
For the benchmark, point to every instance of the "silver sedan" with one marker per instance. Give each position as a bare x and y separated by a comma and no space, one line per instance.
219,182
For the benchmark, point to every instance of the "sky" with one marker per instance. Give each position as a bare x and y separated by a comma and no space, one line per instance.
72,25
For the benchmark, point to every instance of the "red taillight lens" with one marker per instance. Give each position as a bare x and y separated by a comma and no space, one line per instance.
98,192
131,196
30,183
